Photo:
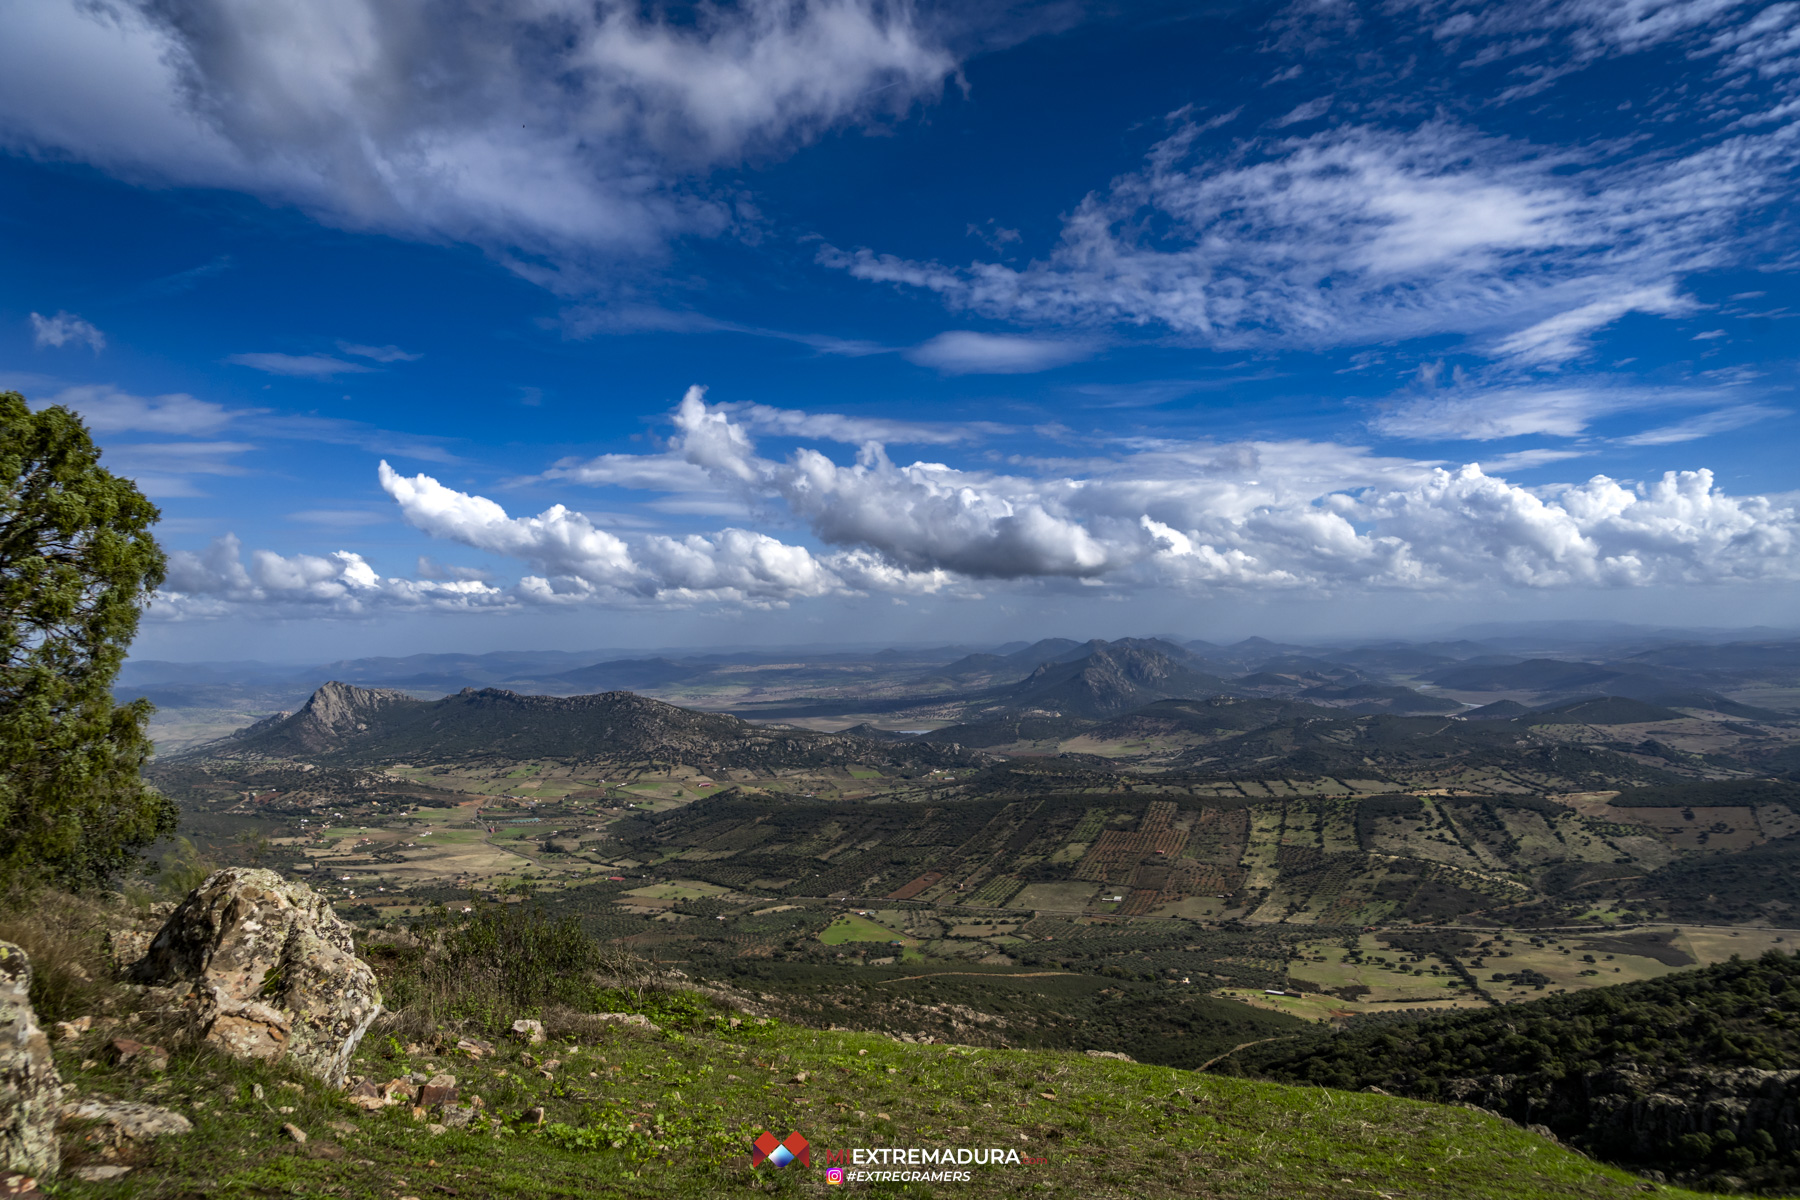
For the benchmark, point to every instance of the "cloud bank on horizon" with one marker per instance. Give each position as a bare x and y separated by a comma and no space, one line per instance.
1187,515
1424,297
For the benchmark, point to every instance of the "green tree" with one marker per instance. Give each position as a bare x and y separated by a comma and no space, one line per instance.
77,566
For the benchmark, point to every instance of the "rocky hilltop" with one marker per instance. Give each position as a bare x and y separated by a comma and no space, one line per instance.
334,715
1114,678
344,725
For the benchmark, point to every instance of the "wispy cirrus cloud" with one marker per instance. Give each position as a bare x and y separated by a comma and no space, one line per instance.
1558,338
380,354
1423,210
1473,412
543,134
1702,425
300,366
108,409
1361,233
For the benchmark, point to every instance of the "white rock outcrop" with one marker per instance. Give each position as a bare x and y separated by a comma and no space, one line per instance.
30,1088
261,967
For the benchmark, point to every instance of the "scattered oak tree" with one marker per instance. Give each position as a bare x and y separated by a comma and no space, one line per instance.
77,566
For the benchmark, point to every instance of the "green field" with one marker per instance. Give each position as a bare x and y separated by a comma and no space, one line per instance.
852,928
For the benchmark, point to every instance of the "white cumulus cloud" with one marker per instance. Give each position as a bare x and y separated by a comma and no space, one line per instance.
1254,515
1196,517
218,582
65,329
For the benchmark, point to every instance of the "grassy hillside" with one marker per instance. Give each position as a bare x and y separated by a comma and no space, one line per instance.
631,1113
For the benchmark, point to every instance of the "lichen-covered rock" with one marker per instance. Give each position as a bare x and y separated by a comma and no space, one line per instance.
30,1089
261,967
120,1121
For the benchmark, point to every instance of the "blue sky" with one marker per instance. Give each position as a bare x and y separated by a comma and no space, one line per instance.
847,321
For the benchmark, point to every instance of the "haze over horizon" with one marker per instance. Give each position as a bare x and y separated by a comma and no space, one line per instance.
848,321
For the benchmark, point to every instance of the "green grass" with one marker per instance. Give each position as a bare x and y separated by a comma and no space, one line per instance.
672,1115
852,928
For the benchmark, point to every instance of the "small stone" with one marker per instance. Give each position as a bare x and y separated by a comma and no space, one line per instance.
439,1089
366,1095
287,1110
137,1056
69,1031
100,1174
294,1132
532,1032
341,1126
883,1117
256,1090
435,1129
801,1077
458,1116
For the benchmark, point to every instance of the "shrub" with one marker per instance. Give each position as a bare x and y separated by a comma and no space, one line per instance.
486,967
72,973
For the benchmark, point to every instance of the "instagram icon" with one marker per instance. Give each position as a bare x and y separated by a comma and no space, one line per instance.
834,1175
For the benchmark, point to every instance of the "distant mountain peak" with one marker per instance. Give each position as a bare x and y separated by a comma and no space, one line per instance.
341,708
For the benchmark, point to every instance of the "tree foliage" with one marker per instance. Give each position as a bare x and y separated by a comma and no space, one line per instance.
1590,1065
77,566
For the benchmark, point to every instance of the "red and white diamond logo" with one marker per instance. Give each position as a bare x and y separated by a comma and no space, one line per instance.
780,1152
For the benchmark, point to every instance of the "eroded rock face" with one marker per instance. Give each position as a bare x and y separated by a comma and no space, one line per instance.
30,1089
261,967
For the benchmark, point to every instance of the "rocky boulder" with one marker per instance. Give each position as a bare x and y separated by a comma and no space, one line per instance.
261,967
30,1089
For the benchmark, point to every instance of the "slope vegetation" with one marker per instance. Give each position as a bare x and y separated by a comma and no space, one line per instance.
1690,1074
